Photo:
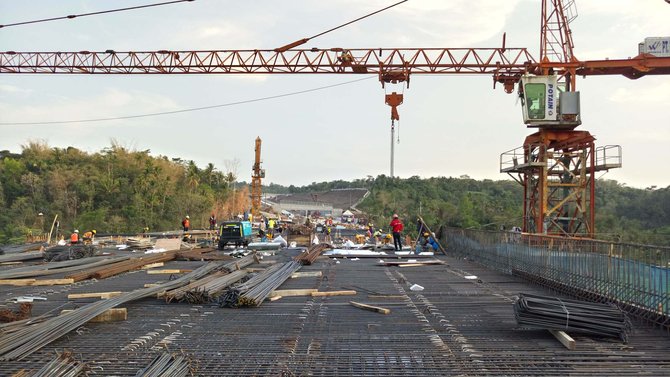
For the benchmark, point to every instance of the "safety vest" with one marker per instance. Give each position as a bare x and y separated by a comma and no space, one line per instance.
74,238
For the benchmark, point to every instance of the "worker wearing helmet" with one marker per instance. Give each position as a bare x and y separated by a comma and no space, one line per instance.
186,223
74,237
396,227
88,237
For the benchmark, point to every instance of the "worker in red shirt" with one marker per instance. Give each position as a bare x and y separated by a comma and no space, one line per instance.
396,228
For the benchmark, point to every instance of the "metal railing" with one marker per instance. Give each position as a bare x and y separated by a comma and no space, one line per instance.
635,277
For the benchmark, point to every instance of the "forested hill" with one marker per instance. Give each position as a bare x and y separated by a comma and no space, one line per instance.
118,191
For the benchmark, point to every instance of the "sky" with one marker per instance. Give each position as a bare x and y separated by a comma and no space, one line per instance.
449,125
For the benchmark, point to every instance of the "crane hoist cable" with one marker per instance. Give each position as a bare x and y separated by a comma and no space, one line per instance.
71,16
305,40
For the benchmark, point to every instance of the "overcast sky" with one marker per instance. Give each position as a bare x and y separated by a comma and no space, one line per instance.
450,125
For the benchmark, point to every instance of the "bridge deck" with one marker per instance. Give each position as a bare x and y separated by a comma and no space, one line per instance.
455,326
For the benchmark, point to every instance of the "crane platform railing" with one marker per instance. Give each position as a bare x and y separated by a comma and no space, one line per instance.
633,276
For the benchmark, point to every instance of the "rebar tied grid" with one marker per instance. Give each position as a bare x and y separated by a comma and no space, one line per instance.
17,345
635,277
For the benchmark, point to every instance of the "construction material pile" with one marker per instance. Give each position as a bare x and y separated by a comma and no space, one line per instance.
106,271
63,365
307,258
208,288
255,290
553,313
139,243
27,340
63,253
299,229
167,365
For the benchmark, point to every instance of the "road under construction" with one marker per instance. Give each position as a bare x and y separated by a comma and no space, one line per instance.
460,322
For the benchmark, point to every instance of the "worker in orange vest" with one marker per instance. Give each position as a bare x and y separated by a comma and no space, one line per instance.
186,223
74,237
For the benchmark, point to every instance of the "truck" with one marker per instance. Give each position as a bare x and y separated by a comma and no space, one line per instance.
236,233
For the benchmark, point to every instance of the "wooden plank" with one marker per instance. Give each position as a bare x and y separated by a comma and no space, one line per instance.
74,296
151,285
292,292
10,263
53,282
18,282
439,245
111,315
565,339
370,307
168,271
168,244
274,298
306,274
152,265
26,282
333,293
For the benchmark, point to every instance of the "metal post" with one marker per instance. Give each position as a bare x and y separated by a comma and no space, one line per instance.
392,134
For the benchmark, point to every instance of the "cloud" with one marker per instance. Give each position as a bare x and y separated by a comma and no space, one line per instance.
456,23
11,89
110,103
645,95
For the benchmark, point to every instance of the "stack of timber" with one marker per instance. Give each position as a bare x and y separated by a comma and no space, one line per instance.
139,243
553,313
308,257
121,267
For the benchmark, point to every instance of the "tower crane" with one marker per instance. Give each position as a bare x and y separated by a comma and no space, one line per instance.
555,165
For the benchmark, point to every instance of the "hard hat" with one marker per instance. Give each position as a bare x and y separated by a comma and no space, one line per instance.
426,234
395,216
93,231
76,230
187,217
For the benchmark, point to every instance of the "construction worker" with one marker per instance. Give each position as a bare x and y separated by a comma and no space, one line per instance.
88,237
396,227
212,222
186,223
74,237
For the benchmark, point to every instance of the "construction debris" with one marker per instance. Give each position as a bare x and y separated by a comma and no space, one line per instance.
63,365
312,253
63,253
24,311
167,365
377,309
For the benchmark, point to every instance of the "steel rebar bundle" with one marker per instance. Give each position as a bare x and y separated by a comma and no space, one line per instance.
167,365
18,257
59,267
64,365
24,342
553,313
258,293
206,289
312,253
106,271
